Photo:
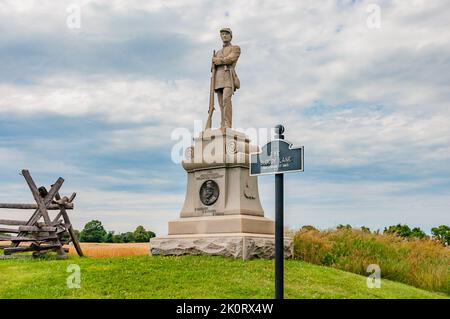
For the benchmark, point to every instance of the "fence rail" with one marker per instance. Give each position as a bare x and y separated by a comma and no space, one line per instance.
40,233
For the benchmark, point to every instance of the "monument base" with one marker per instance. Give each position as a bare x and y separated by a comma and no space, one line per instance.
222,224
237,245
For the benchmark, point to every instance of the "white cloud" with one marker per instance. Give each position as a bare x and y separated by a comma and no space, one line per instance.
146,100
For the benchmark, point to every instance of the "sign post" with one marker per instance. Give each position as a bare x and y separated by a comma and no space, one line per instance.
278,157
279,236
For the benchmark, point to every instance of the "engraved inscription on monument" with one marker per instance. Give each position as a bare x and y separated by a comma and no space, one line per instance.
209,175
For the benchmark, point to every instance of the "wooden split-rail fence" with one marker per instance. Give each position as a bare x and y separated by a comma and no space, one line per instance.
40,233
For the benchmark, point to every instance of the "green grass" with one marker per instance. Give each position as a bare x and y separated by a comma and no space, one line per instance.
188,277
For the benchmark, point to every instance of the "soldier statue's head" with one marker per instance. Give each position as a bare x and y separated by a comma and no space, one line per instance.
226,34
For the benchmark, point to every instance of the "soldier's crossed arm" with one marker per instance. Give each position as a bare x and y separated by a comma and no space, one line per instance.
233,56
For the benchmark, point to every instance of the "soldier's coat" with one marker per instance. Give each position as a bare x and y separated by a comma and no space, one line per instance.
230,54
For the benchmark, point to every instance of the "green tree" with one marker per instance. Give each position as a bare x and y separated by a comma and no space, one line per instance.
77,233
128,237
365,229
109,237
405,231
141,235
399,230
67,237
442,233
416,232
117,238
340,226
93,232
308,227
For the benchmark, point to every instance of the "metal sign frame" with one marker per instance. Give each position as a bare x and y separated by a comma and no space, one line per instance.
291,147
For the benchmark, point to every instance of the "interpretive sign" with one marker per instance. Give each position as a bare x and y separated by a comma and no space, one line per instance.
277,156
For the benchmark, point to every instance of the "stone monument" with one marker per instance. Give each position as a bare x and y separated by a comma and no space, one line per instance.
222,212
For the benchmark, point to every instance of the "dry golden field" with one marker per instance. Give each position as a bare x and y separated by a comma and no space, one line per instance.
102,250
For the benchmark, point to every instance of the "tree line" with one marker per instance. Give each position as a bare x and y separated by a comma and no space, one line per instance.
94,232
440,233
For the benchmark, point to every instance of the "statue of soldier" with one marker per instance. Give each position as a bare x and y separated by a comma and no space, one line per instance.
226,80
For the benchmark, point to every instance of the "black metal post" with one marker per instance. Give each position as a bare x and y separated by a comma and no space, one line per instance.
279,226
279,236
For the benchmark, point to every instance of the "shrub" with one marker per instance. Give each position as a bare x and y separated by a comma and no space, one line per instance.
423,263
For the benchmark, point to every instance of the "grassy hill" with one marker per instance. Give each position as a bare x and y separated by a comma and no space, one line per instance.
422,263
188,277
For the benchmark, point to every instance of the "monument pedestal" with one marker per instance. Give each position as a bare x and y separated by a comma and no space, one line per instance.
222,213
222,224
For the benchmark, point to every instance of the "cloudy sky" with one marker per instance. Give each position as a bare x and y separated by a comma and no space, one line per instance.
363,85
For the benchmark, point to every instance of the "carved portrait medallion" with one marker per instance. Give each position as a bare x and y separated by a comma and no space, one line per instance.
209,192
